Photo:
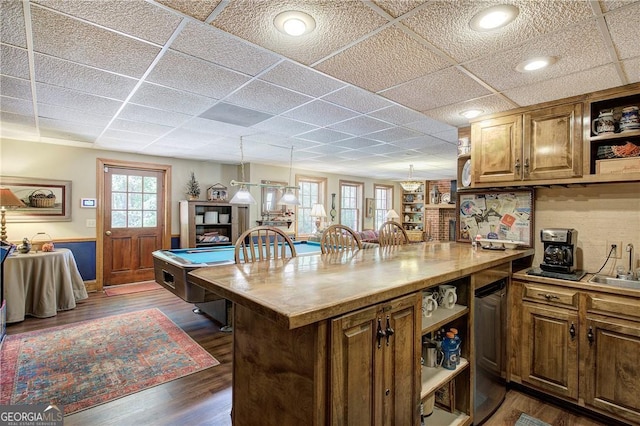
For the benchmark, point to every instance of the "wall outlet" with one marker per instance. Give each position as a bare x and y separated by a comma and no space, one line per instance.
617,254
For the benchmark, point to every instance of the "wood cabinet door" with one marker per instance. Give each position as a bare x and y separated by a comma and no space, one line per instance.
550,349
552,143
612,366
496,149
375,381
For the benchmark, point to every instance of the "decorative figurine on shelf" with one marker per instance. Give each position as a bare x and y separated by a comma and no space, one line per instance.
217,193
193,188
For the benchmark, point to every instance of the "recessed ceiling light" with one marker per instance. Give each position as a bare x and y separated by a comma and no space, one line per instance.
494,17
294,23
471,113
535,63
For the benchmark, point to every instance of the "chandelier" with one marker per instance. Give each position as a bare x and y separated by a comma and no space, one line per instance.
410,185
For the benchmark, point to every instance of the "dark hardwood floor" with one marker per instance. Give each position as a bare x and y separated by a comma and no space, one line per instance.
204,398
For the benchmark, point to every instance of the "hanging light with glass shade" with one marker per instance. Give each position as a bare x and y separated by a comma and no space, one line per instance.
410,185
289,197
243,196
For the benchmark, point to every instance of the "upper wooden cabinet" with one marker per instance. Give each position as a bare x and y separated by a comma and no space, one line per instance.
536,145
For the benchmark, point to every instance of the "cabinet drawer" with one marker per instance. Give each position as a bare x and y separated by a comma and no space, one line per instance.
617,306
550,295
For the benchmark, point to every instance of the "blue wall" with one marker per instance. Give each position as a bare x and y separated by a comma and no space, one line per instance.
85,254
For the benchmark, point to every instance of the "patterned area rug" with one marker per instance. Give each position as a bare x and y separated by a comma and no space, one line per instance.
132,288
526,420
96,361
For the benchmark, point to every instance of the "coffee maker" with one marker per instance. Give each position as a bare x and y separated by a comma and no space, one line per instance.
559,250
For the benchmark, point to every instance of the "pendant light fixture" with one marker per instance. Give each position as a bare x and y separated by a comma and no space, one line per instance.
243,196
289,197
410,185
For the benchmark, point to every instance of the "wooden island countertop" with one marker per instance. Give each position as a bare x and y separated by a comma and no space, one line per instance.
307,289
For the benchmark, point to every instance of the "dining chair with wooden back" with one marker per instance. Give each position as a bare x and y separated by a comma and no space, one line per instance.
338,238
392,234
263,243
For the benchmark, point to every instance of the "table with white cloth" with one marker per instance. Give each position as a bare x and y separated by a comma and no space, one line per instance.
41,283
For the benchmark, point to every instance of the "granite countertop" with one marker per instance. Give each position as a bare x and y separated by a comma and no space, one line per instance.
308,289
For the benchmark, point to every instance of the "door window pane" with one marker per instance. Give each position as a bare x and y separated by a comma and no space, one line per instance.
118,219
134,201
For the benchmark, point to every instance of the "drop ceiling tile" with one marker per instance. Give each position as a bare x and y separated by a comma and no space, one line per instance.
450,135
77,41
127,145
135,17
357,143
266,97
324,135
320,113
58,113
17,122
355,154
619,23
73,131
232,114
208,43
578,48
445,24
384,148
284,126
200,9
71,75
440,88
357,99
12,30
16,106
184,138
82,102
155,96
397,114
140,127
324,149
450,114
397,8
301,79
609,5
384,60
337,24
216,129
418,142
429,126
152,115
631,69
15,87
592,80
137,138
15,61
361,125
393,134
205,78
437,148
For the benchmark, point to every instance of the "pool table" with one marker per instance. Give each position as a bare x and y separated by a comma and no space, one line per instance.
173,266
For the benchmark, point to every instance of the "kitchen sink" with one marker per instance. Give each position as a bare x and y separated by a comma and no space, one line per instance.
616,282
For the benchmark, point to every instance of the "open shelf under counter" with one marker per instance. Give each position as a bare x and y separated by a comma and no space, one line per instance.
442,316
433,378
441,417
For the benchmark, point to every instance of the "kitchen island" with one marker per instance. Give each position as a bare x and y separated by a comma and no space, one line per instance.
335,339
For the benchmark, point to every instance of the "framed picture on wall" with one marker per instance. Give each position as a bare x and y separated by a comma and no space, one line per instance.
370,206
45,200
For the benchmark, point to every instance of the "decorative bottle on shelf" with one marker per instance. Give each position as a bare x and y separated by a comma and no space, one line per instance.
456,338
450,349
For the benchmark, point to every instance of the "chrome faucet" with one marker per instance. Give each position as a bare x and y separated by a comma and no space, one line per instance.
630,251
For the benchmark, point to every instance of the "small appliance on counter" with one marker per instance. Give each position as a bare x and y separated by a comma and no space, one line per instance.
559,257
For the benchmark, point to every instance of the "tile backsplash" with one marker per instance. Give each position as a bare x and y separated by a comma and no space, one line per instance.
600,213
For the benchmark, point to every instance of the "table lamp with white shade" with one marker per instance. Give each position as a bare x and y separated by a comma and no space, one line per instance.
10,200
392,215
319,213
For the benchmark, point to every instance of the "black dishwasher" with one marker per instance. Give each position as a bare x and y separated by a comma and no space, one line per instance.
490,321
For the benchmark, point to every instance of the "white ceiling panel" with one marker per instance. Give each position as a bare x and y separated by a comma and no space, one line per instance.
187,79
15,61
60,36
